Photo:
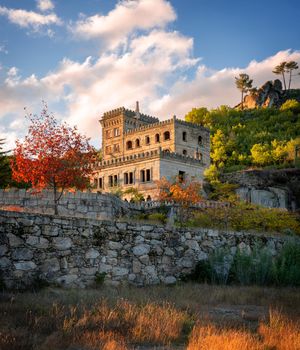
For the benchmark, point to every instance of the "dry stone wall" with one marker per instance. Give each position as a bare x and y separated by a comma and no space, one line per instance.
71,251
78,204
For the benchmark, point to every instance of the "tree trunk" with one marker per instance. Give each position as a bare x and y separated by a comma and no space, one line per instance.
290,80
242,101
55,198
284,83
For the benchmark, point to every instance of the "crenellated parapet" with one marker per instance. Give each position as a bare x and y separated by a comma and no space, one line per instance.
157,153
149,126
129,113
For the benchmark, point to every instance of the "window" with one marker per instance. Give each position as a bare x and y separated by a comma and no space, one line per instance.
166,135
199,155
115,180
148,175
137,143
96,183
110,181
157,138
125,178
184,138
184,152
116,132
100,182
117,148
147,140
181,176
145,175
108,134
200,140
129,144
148,198
131,178
108,149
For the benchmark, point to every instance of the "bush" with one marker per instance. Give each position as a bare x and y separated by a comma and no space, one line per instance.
243,216
160,217
286,269
257,267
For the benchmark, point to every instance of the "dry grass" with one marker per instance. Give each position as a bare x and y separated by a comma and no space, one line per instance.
279,333
126,317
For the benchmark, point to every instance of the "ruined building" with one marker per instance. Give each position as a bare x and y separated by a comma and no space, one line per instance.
139,149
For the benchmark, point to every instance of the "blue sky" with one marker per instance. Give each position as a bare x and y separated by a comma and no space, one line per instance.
86,56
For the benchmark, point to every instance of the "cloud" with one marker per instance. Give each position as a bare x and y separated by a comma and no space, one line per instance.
45,5
29,19
124,19
156,67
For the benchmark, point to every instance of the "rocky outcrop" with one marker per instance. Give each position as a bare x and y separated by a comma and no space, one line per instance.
268,95
269,188
79,250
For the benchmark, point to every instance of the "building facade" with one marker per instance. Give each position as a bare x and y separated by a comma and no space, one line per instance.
138,150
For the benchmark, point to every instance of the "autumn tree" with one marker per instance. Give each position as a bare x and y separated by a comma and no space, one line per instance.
244,84
52,155
182,192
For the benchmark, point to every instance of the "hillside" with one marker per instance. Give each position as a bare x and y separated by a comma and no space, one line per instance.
260,137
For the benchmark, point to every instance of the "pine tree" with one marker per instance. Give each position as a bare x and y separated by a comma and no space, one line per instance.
290,66
244,84
280,69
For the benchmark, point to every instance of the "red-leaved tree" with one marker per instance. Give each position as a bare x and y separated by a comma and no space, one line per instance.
52,155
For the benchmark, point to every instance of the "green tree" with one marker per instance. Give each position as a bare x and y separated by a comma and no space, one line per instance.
280,69
5,172
290,66
244,84
197,115
261,154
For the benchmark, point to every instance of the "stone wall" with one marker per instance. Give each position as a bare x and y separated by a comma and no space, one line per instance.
79,204
71,251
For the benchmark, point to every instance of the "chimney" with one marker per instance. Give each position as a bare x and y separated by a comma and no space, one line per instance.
137,110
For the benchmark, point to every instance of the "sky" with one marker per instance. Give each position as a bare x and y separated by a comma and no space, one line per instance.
85,57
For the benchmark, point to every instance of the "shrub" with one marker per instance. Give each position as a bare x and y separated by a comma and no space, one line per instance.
160,217
286,269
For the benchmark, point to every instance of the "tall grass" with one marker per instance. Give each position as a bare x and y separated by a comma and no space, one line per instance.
256,267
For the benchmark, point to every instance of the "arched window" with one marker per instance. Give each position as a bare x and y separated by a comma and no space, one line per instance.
166,135
157,138
129,144
184,152
137,143
167,150
148,198
200,140
184,136
199,155
147,140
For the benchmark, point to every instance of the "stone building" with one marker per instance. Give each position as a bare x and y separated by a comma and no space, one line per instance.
139,149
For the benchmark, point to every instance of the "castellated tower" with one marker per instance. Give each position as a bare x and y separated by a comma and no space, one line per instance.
139,149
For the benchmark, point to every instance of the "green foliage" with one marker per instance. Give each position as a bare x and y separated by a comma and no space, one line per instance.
290,105
160,217
256,267
136,196
287,265
5,171
242,216
262,137
99,278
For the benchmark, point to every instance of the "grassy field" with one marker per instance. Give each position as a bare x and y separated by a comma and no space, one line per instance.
188,316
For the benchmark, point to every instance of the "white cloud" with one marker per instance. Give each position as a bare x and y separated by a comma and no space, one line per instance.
45,5
125,18
156,67
29,19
